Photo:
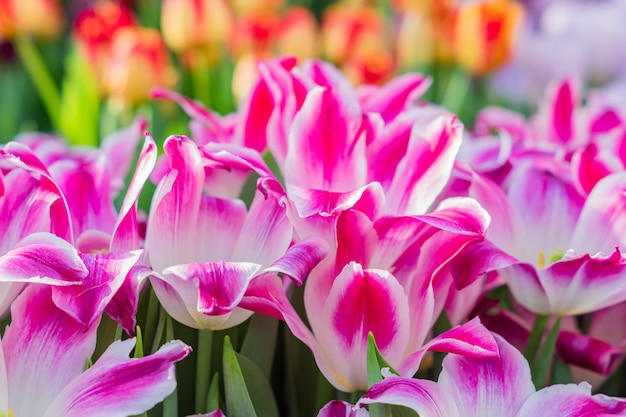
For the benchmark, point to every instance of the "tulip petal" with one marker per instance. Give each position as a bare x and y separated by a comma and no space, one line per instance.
470,339
392,98
42,258
326,146
362,301
266,232
571,401
584,351
581,284
602,222
425,169
338,408
86,301
118,386
44,350
488,387
300,259
424,397
126,234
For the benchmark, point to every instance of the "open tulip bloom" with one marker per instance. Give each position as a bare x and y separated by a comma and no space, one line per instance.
567,248
489,387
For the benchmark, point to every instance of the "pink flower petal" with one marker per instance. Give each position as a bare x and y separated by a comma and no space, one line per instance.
424,397
571,401
488,386
362,301
338,408
326,145
86,301
118,386
44,350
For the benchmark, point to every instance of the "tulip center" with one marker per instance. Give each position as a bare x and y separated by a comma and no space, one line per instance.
555,256
3,414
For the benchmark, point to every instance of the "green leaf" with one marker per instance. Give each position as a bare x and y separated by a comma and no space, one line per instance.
375,362
213,397
138,344
80,102
260,342
238,402
258,388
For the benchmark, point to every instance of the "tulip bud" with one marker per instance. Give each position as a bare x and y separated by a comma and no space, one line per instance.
297,34
347,32
484,34
196,24
40,18
138,62
254,34
94,29
256,7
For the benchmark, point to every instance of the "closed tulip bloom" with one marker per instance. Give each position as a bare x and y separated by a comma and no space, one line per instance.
40,18
139,62
484,34
195,24
94,29
297,34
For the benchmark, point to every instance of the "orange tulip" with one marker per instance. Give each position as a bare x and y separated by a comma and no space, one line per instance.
254,34
347,32
139,61
40,18
256,7
297,34
484,34
196,24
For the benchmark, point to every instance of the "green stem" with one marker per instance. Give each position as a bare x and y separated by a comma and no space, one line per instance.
535,337
203,368
456,90
40,76
541,366
201,79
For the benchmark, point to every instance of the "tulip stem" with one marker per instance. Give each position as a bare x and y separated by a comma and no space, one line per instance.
456,90
535,337
203,368
541,366
201,79
40,76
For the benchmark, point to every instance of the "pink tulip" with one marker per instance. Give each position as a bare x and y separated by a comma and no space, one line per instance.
496,386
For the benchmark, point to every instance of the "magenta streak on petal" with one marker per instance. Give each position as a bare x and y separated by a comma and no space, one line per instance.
257,109
338,408
24,209
366,305
300,259
392,98
194,109
44,349
86,302
126,233
584,351
117,385
221,285
43,258
563,112
24,158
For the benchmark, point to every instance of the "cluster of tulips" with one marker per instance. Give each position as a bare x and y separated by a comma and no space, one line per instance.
389,215
287,236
